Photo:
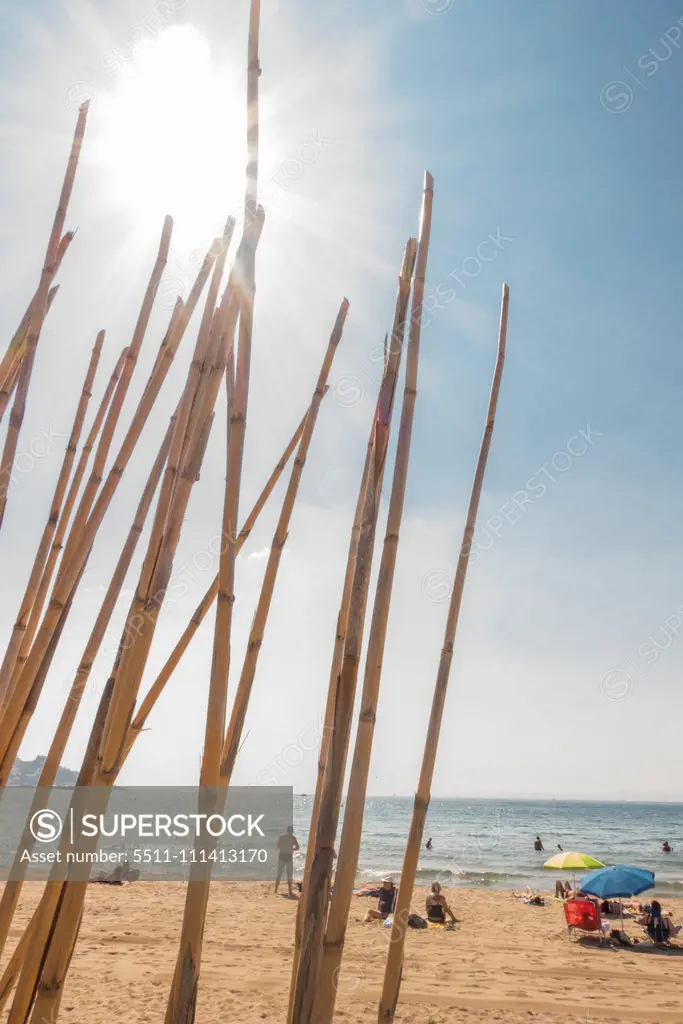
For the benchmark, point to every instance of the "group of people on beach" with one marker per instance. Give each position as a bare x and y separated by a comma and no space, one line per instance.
658,924
436,905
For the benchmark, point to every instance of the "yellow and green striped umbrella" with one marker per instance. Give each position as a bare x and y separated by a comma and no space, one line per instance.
572,861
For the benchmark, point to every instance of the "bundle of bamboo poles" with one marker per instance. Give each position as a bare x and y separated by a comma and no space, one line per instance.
89,479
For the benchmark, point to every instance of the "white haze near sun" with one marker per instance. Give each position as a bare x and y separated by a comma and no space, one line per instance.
173,133
166,135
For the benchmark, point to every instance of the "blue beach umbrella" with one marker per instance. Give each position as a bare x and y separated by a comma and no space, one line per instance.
618,881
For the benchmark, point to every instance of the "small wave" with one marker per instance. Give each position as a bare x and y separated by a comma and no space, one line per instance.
492,879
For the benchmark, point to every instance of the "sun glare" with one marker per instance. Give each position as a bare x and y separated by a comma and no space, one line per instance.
172,136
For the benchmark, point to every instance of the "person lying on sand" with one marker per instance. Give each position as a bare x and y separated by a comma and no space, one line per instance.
385,905
121,873
437,906
530,897
563,890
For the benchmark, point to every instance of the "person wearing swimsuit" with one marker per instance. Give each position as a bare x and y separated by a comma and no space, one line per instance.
287,844
437,906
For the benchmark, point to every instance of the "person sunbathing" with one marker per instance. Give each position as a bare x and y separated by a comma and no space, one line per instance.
385,905
530,897
121,873
437,906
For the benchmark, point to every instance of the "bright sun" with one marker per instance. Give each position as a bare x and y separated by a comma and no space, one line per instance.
172,136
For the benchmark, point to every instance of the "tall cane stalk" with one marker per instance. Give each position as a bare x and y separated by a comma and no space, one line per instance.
157,687
64,518
16,352
349,845
340,636
48,774
14,645
12,724
256,634
394,965
39,311
316,902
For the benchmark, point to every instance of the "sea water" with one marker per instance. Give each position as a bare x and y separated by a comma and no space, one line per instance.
490,843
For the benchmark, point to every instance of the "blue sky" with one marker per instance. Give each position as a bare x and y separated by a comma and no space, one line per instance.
552,134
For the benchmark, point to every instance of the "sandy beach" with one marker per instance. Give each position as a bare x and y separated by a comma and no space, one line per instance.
505,961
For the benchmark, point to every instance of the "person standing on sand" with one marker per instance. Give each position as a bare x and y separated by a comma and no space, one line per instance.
538,845
287,845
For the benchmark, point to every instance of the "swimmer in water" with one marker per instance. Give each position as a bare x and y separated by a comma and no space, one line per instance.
666,848
538,845
428,844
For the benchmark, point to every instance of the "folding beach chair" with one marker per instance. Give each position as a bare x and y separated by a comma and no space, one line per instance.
583,915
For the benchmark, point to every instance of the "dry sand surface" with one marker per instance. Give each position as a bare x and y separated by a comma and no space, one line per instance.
504,962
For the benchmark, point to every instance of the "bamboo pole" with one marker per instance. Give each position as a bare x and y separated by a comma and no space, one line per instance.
48,774
316,902
154,577
394,965
181,1006
13,967
337,656
114,411
39,311
57,543
112,407
12,652
69,572
17,346
155,690
15,354
31,702
342,624
256,634
225,320
196,372
349,846
64,929
220,346
11,383
39,928
222,333
66,915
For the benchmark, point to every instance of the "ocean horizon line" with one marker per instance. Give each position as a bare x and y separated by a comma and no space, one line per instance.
525,799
